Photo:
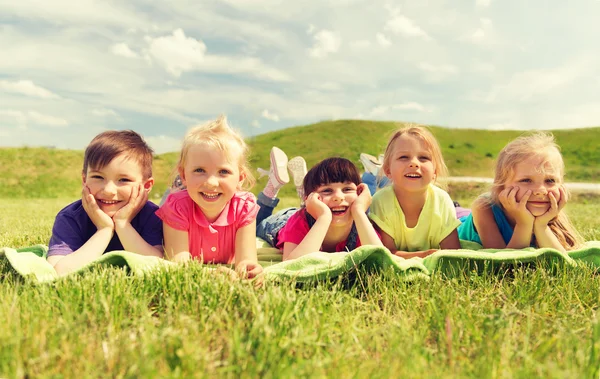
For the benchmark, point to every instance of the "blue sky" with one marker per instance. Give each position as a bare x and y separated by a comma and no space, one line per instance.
70,69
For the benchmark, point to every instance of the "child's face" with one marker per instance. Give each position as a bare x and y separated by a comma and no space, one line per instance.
528,176
411,165
338,197
210,177
112,184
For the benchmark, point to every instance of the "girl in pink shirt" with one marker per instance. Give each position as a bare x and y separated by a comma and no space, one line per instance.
212,220
333,217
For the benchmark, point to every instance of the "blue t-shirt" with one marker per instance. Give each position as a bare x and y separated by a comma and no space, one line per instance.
73,228
467,231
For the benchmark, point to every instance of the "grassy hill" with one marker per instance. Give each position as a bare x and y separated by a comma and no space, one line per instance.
49,173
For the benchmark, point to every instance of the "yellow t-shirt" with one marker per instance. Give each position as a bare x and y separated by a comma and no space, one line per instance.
436,221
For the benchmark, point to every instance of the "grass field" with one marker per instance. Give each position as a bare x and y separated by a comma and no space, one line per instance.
186,323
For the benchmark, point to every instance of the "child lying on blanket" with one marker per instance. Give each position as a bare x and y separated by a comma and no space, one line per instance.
415,216
114,212
212,219
525,205
333,217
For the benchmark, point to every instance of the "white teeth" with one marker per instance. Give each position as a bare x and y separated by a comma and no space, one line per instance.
210,195
108,201
338,209
413,175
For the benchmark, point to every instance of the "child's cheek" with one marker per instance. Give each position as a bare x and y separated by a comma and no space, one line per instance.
556,193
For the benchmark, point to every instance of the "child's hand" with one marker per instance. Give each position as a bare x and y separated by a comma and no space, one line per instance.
412,254
248,269
363,201
316,207
516,209
136,202
556,205
99,218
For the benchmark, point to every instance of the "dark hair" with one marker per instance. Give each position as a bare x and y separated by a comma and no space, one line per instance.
330,170
106,146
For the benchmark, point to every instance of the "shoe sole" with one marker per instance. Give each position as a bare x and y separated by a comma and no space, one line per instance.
279,162
297,166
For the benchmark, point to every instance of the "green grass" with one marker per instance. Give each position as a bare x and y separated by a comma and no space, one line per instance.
50,173
187,323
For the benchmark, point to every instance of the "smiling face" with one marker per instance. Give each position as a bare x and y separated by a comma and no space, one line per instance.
112,184
338,197
411,166
538,176
211,177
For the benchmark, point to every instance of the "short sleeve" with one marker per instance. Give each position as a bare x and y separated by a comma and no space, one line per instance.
449,222
295,229
246,209
66,236
152,229
380,211
177,211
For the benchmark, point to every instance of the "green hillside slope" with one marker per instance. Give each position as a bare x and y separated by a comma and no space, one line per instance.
47,173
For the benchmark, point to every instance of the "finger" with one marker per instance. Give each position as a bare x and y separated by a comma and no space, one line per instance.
526,197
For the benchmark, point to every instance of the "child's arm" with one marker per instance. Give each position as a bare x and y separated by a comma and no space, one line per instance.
451,242
94,247
129,237
388,242
523,230
366,231
316,235
246,261
487,229
543,233
177,247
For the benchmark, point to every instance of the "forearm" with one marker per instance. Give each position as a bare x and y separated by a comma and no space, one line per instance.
89,252
545,238
521,237
365,230
313,240
132,241
413,254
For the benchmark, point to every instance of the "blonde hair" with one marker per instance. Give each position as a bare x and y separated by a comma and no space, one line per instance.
540,145
218,134
425,135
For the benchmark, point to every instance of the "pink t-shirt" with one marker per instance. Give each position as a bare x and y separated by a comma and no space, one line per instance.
296,228
210,242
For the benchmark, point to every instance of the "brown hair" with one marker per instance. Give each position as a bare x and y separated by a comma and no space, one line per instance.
106,146
217,133
330,170
536,144
425,135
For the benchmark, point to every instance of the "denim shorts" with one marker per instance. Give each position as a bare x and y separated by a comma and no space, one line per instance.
269,228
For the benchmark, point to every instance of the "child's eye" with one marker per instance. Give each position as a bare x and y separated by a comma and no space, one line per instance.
403,157
550,180
199,170
225,172
97,177
424,158
349,189
126,180
524,180
325,191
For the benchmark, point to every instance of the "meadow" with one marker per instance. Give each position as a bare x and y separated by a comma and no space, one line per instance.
184,322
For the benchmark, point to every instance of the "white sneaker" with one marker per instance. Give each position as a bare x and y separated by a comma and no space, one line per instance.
370,163
277,173
297,167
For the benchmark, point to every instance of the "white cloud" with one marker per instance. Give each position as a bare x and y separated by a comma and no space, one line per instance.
270,116
382,40
24,119
255,123
483,3
437,72
482,33
178,54
163,144
27,88
360,44
123,50
326,42
403,25
413,106
104,112
381,110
